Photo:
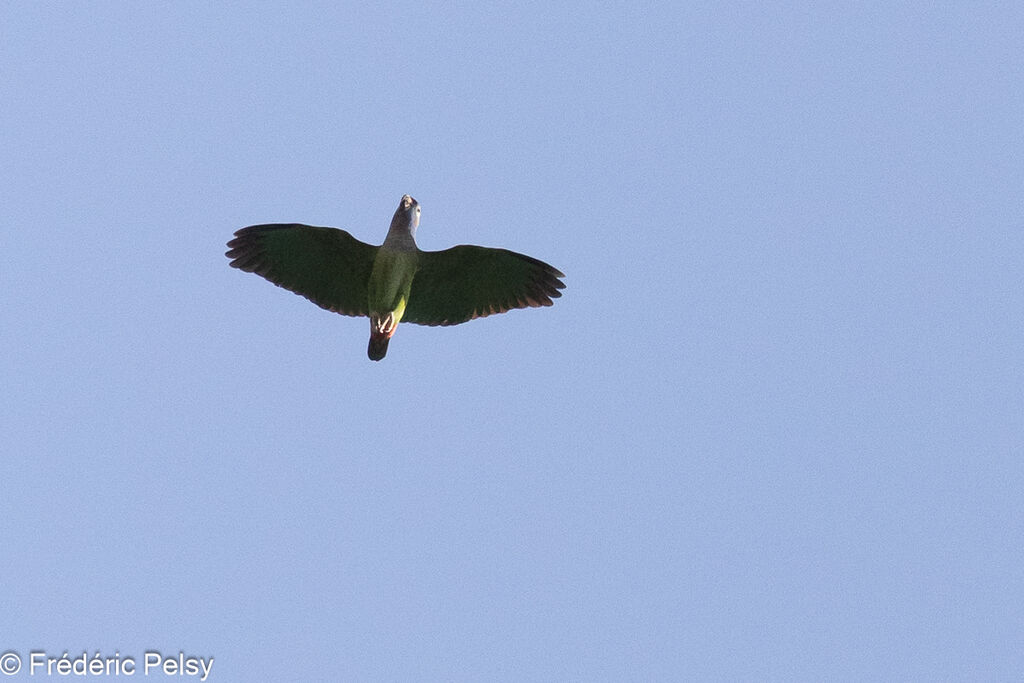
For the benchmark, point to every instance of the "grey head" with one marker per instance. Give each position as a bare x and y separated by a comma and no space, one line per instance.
407,216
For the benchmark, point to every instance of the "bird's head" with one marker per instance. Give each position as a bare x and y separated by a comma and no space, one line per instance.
407,215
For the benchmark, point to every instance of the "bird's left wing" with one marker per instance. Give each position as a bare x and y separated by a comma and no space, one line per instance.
327,266
466,282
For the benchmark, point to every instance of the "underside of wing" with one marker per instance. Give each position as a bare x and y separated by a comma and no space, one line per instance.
328,266
465,282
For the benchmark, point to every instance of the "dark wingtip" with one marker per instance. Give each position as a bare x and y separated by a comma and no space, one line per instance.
245,249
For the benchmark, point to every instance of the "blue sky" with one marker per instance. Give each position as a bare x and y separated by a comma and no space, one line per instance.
772,429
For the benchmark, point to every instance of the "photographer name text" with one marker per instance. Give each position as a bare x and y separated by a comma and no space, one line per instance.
153,663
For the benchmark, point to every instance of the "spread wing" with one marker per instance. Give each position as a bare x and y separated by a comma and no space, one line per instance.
327,266
466,282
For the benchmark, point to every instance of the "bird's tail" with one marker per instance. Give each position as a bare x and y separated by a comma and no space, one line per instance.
378,347
381,330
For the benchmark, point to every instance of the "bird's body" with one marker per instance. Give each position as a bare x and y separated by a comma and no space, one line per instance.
396,281
387,295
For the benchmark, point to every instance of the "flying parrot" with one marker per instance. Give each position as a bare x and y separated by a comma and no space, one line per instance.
395,282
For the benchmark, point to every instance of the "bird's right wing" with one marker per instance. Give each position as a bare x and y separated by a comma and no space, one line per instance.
328,266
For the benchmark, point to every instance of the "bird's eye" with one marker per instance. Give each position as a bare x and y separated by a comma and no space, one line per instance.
417,209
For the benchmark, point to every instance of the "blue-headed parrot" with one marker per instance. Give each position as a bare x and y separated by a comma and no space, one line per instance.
395,282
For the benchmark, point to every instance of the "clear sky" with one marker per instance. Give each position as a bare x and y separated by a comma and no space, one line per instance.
773,428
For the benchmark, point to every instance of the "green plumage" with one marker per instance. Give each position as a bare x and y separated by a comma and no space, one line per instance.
328,266
397,281
390,281
466,282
